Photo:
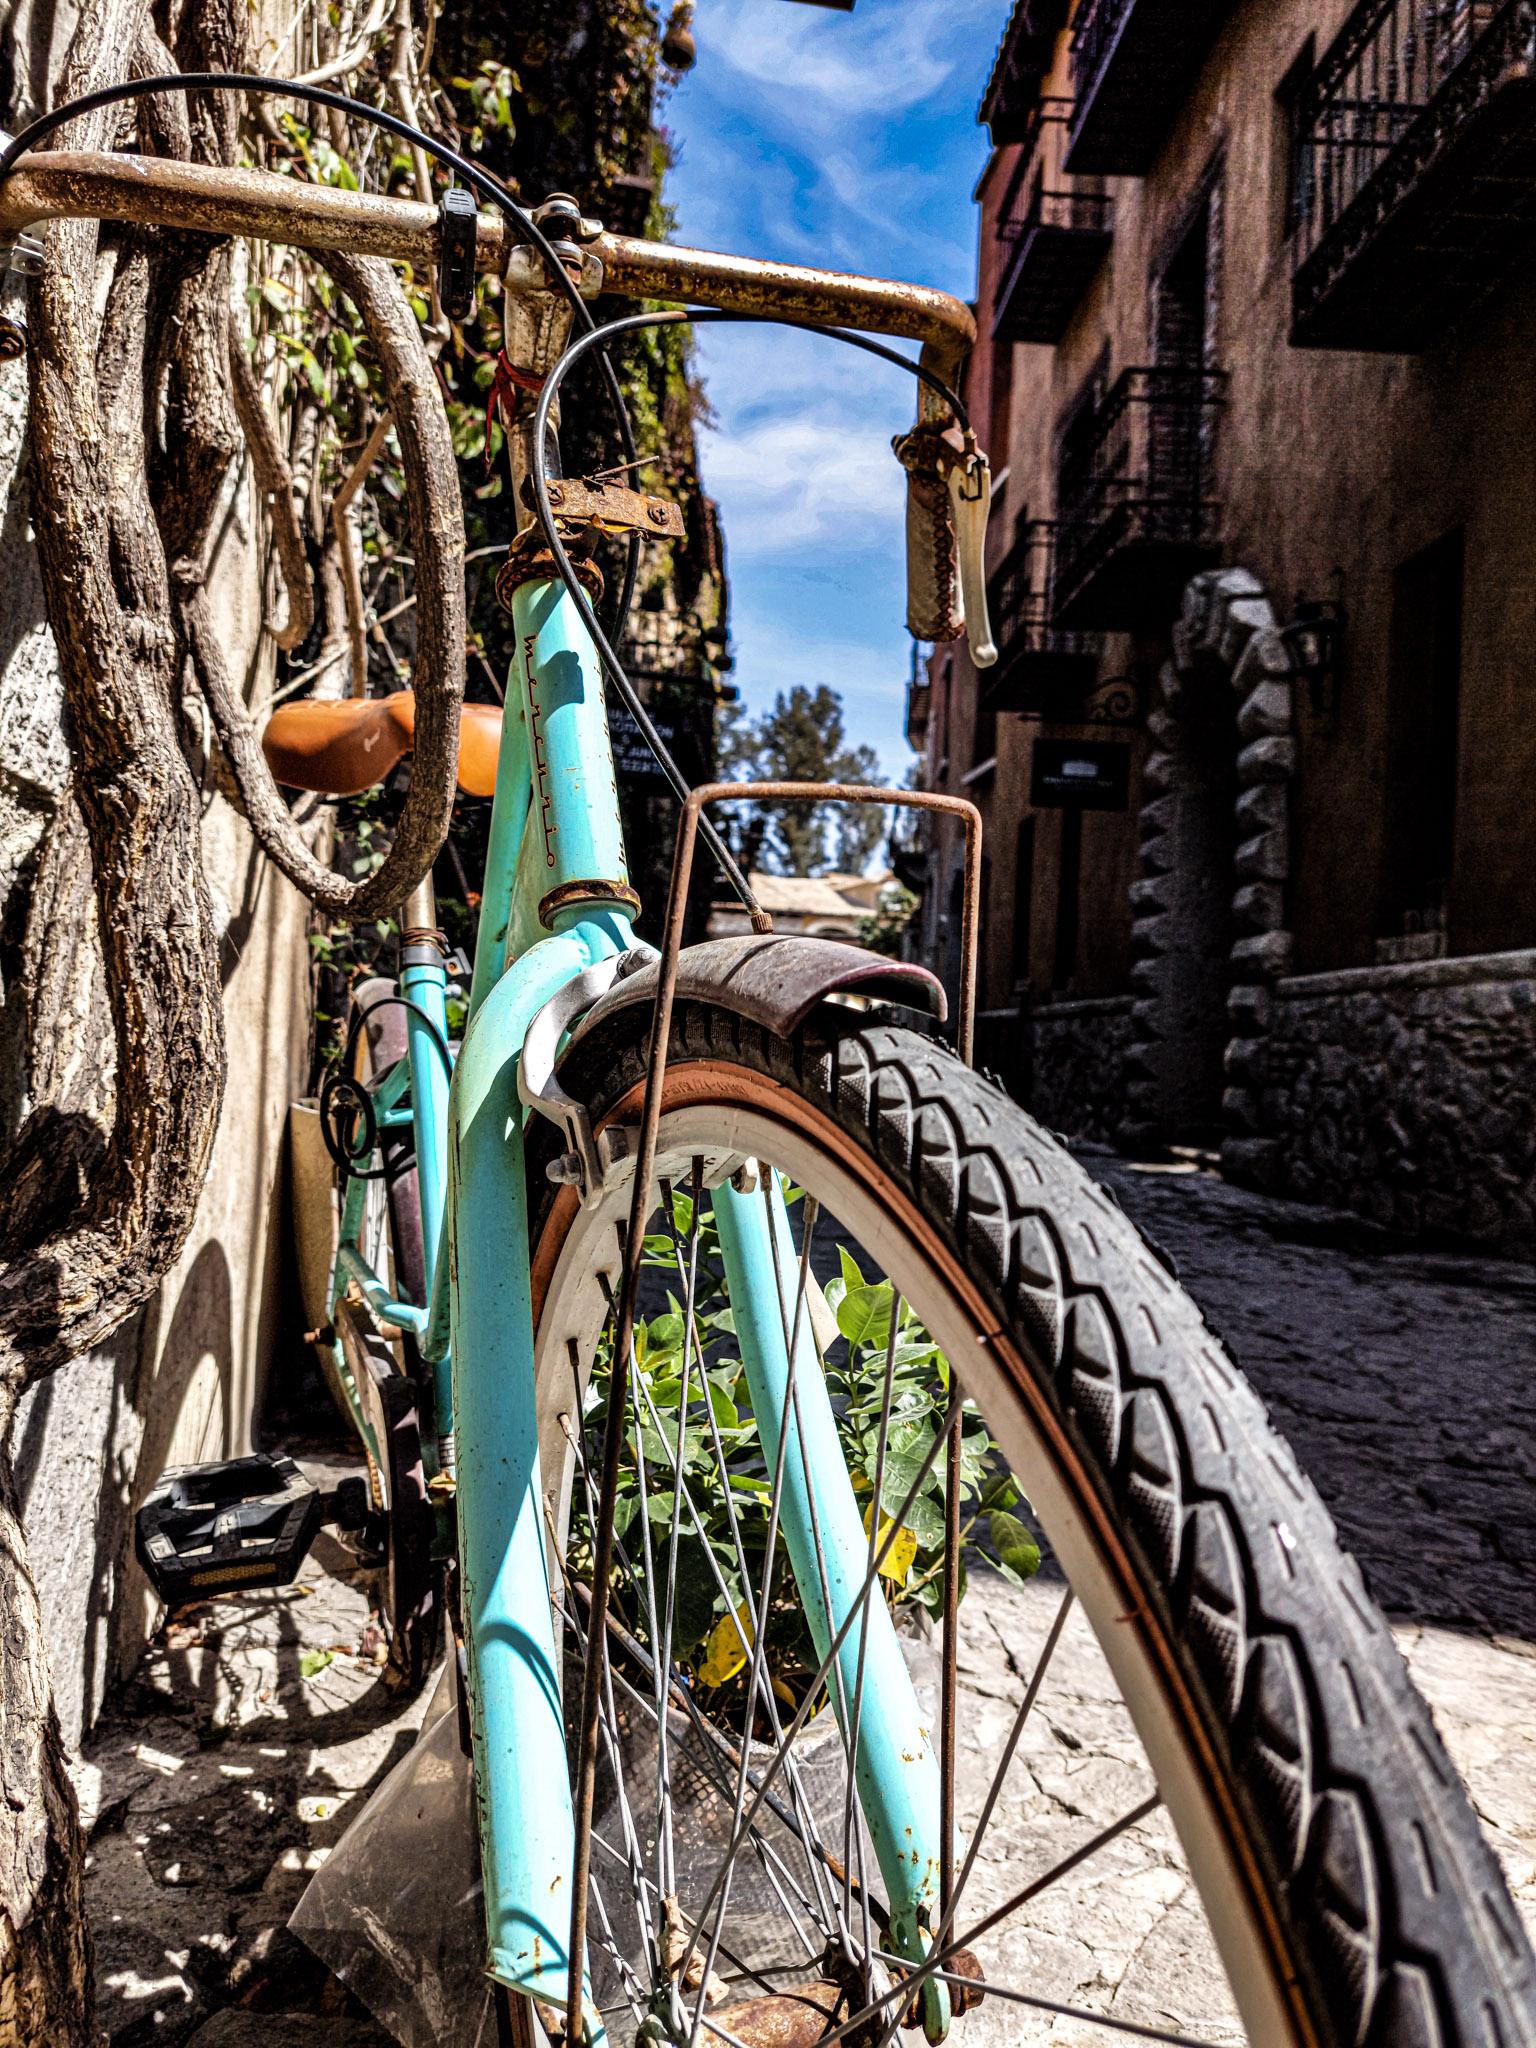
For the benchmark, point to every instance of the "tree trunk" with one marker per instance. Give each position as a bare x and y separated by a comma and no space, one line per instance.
91,1216
45,1968
132,435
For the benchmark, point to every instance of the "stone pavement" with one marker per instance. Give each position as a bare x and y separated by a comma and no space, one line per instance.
227,1771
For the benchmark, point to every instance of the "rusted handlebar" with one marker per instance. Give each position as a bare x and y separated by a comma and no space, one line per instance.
205,198
208,199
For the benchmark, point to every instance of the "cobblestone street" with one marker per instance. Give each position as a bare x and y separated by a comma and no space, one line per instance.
228,1770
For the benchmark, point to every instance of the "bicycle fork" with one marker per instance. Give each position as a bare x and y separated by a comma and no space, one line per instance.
895,1769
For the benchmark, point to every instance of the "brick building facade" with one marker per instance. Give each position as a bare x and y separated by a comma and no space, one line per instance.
1257,292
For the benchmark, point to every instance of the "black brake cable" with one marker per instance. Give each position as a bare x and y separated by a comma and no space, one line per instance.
480,180
598,337
595,337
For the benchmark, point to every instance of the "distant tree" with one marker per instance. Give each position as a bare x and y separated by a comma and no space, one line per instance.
802,739
883,932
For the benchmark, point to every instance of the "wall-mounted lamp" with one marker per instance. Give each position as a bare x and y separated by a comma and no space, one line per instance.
1314,640
679,51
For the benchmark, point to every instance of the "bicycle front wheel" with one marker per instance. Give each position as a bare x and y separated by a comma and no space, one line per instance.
1192,1699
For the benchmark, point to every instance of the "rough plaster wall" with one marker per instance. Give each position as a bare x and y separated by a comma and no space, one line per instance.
182,1380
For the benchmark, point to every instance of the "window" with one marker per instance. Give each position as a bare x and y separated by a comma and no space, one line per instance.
1069,876
1423,717
1184,291
1293,142
1023,898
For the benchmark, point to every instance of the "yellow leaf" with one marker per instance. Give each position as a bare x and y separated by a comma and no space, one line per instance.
729,1642
901,1556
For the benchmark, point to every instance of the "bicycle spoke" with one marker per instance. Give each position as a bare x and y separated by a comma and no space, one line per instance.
850,1797
802,1712
801,1897
994,1790
1142,2029
811,1210
757,1678
774,1867
806,1832
608,1723
792,1774
1068,1863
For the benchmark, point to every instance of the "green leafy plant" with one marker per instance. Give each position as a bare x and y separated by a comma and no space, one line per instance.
696,1394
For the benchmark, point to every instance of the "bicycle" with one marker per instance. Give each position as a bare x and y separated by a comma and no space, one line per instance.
529,1453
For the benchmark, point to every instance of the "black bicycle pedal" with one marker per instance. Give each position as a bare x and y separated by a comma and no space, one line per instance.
235,1526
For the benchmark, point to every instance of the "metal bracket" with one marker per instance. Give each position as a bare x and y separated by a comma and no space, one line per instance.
588,1159
525,274
611,508
21,256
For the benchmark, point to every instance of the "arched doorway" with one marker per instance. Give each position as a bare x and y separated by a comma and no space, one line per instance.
1208,931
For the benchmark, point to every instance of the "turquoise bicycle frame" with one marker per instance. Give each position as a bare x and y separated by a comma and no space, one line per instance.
552,907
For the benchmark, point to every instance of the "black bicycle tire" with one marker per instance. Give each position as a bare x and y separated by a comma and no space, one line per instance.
1396,1917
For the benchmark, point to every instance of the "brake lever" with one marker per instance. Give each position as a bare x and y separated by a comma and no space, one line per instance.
970,496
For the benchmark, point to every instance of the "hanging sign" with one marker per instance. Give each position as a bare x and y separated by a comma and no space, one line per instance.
1082,775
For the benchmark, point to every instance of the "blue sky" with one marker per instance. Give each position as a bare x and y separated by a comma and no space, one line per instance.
848,140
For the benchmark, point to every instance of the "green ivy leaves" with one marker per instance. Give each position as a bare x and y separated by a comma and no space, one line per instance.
731,1500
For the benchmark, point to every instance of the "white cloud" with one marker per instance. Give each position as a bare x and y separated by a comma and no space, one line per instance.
847,141
757,370
787,485
833,69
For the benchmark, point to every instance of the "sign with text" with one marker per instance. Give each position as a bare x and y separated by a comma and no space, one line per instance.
1083,775
634,760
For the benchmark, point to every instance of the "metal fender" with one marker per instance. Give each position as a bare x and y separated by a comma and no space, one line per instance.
776,980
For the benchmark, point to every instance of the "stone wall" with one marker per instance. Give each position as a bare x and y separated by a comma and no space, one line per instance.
1080,1053
1407,1094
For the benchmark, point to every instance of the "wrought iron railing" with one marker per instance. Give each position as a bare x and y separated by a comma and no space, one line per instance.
1042,194
1093,35
1385,68
919,708
1141,471
1021,599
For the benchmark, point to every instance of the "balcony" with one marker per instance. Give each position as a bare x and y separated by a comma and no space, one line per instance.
1055,231
919,708
1136,518
1040,672
1023,58
1414,186
1133,62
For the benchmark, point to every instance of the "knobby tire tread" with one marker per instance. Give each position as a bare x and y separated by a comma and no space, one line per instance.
1393,1905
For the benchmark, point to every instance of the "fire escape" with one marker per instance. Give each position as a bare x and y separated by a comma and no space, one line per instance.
1041,671
1055,230
1023,58
1416,171
1135,513
1133,62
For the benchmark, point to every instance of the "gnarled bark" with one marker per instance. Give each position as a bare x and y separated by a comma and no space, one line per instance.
132,434
90,1218
437,541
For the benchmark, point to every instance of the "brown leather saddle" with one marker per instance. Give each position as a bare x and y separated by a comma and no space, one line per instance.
343,745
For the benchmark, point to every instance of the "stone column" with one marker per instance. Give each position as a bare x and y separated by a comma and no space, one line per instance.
1226,638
